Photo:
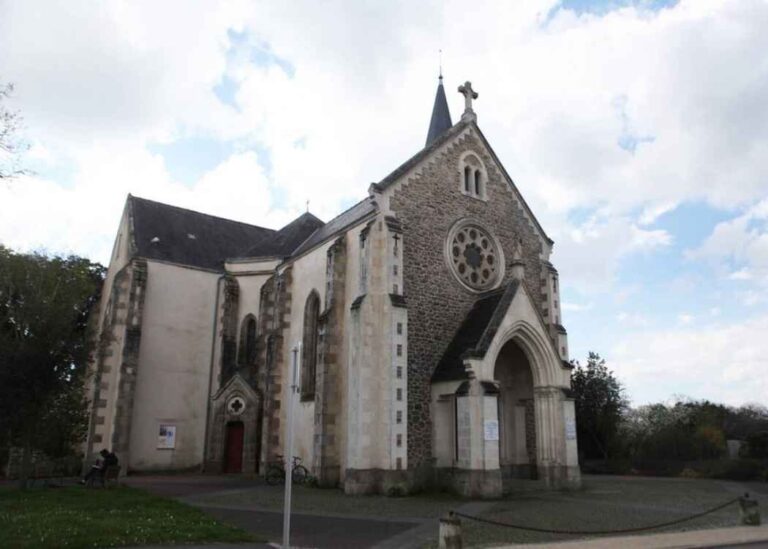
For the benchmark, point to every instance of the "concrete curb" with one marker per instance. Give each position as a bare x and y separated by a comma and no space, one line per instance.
713,537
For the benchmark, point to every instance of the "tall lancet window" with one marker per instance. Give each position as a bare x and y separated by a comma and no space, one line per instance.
467,176
309,346
247,354
478,183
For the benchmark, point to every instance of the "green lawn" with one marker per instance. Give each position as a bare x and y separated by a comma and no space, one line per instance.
80,517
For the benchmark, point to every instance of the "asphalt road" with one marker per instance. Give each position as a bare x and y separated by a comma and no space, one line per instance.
313,530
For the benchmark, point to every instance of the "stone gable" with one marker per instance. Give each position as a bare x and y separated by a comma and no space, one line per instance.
427,204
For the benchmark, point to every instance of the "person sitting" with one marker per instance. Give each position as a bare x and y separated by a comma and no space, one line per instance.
108,459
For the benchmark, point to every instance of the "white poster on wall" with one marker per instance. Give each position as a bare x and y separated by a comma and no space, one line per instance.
570,429
491,429
166,438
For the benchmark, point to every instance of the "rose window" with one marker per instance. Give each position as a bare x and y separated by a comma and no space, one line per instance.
474,257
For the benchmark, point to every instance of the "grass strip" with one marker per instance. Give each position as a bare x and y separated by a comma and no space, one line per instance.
79,517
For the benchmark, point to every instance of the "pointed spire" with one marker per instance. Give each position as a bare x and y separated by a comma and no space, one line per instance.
441,117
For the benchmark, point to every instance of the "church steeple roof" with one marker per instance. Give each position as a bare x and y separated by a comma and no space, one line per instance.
441,117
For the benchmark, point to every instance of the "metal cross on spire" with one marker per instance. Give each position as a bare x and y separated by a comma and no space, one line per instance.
469,94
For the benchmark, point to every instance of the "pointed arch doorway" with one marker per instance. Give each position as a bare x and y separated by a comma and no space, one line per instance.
517,417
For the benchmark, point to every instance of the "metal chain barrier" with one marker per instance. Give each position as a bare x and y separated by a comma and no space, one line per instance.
599,532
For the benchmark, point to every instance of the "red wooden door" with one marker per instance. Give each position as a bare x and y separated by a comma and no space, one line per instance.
233,457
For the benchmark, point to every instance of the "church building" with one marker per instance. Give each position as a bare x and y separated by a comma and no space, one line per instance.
427,314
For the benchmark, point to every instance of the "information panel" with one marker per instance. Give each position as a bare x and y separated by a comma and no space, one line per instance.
491,428
166,438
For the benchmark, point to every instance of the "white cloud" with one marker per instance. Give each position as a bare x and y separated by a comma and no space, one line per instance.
685,318
632,320
589,254
83,219
741,274
557,96
576,307
741,241
724,363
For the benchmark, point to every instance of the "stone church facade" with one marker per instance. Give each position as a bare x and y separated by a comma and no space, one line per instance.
432,349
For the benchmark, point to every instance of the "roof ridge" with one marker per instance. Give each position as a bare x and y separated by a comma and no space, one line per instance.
350,208
133,197
424,152
302,216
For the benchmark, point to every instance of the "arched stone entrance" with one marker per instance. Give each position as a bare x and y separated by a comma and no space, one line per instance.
517,419
234,437
514,413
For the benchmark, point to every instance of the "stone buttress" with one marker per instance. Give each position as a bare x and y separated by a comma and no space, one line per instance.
377,441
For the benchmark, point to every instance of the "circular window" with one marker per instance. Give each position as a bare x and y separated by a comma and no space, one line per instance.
474,256
236,405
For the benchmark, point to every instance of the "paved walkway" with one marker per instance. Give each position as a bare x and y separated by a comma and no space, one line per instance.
218,496
307,530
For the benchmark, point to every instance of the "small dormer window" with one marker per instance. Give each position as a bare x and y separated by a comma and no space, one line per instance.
473,176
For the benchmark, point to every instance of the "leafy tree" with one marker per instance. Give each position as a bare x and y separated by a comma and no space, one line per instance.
745,420
600,404
683,431
11,146
45,305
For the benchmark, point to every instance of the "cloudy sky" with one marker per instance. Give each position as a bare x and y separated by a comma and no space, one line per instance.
637,130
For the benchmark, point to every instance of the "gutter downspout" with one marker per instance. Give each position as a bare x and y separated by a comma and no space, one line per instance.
210,375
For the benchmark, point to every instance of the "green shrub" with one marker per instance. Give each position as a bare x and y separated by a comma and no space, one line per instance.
757,445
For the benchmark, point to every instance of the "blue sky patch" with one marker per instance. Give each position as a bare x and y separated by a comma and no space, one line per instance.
226,90
601,7
189,158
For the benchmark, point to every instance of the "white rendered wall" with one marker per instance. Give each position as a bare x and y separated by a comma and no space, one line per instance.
174,363
308,274
351,291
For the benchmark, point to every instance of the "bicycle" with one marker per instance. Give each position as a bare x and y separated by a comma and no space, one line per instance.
276,471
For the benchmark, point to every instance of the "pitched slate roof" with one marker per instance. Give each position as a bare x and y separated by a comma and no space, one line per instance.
441,116
286,240
476,332
337,224
178,235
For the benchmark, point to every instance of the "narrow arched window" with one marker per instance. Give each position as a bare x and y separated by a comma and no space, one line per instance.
247,352
467,175
473,176
309,346
250,341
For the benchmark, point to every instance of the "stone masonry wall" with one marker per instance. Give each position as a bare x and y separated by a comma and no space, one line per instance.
274,320
328,396
427,205
130,363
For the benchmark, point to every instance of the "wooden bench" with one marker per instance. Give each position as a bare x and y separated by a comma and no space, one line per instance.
110,475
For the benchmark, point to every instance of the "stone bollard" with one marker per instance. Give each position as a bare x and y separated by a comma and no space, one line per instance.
450,532
750,512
